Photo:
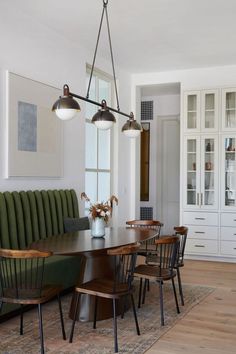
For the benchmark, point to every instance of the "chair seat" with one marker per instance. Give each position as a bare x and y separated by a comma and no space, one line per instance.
104,288
31,296
153,272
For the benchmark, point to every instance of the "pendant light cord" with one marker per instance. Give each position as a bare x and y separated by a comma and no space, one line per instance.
95,52
105,2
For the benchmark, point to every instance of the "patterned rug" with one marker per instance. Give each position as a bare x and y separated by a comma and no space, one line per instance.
99,341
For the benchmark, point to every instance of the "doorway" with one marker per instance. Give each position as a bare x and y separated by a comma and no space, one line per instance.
164,172
170,162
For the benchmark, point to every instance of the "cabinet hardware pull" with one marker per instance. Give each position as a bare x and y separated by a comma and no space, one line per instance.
199,246
234,219
234,234
201,219
234,248
199,232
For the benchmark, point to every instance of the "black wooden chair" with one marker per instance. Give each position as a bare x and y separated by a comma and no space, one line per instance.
21,282
167,248
115,289
148,247
181,232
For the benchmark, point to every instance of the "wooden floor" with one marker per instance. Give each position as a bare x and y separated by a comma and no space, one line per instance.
210,327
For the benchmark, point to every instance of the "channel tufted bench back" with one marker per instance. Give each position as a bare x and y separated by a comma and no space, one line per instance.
28,216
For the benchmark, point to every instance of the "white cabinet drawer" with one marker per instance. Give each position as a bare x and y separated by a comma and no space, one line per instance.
228,248
228,233
197,218
228,219
203,232
201,246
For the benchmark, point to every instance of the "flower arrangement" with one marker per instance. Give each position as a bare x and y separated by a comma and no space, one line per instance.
101,209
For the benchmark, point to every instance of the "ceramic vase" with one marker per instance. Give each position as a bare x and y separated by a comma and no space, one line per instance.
98,227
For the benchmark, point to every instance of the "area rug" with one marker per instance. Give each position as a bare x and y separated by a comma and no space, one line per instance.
99,341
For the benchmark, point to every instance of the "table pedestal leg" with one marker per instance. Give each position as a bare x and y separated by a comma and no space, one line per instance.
96,266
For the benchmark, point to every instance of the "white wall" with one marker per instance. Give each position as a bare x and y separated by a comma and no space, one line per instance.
32,50
202,78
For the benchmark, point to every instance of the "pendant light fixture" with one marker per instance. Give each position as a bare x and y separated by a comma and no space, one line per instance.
66,107
131,128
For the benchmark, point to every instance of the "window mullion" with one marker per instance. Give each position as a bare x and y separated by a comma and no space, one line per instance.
97,99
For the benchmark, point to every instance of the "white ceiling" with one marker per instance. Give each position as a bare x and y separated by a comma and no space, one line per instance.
147,35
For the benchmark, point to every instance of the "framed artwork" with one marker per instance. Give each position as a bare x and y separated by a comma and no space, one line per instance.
144,162
34,132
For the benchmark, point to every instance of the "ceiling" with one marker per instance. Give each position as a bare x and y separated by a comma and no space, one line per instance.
147,35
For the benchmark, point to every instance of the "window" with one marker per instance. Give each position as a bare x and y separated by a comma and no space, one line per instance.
97,142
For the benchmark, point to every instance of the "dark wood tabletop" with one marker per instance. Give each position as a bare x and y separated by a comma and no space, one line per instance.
82,241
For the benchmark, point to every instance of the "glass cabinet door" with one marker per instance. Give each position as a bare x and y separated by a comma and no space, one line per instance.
201,172
192,171
192,114
208,195
229,108
209,112
229,172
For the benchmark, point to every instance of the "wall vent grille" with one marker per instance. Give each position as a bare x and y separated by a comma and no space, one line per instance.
146,213
146,110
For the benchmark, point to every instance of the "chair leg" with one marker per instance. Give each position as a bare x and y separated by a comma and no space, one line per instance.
144,290
123,306
41,328
140,292
1,306
161,303
180,287
176,300
95,312
115,326
61,317
21,320
135,315
148,285
75,316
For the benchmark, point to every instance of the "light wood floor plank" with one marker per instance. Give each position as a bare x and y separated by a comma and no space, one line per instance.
209,327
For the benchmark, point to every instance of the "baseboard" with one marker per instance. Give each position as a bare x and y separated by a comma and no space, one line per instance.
210,258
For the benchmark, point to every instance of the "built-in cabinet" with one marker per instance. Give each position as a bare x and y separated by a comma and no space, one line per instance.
201,172
209,172
201,111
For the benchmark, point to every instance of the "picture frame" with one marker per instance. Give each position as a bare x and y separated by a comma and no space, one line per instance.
34,133
144,162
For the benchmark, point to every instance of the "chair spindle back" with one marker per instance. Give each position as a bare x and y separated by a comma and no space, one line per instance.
21,273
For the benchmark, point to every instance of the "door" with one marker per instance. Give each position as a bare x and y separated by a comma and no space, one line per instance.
170,173
228,173
200,172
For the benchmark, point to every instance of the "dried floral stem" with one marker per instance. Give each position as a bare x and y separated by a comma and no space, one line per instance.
101,209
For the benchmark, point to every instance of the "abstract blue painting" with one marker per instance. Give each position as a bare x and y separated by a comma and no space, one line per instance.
27,127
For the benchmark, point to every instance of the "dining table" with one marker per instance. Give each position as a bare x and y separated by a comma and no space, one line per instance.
96,263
